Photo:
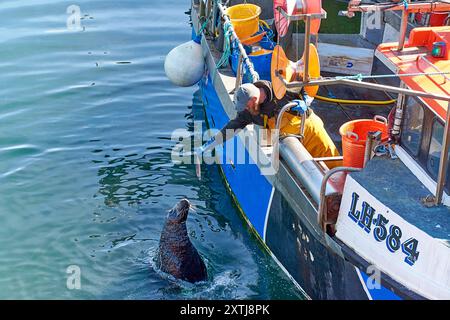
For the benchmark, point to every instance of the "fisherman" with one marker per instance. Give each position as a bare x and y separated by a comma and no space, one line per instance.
256,103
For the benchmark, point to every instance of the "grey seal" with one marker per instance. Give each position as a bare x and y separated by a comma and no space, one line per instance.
177,255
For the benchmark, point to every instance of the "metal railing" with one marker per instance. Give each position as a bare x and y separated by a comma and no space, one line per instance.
321,217
410,7
276,137
379,87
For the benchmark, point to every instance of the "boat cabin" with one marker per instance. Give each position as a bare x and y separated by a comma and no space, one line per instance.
422,65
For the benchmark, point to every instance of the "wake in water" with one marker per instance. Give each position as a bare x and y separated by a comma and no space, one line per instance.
223,285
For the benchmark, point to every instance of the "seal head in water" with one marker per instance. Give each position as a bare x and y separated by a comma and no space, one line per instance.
177,256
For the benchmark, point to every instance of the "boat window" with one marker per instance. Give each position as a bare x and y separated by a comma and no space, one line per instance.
412,126
434,152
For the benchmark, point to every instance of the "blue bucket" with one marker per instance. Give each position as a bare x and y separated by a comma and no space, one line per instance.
261,62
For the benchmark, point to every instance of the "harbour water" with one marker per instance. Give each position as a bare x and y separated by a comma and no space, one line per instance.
86,178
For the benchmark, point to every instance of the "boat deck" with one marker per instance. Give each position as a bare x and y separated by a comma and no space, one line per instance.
402,192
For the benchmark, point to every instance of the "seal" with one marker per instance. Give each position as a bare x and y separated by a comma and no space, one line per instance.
177,255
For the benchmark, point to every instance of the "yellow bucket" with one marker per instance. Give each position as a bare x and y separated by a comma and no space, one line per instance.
245,19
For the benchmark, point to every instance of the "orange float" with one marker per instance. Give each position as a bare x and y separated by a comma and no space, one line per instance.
293,7
290,71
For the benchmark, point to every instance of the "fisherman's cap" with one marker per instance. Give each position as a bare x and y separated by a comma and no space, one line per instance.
243,94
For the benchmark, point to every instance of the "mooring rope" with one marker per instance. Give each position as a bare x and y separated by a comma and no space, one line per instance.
223,62
361,77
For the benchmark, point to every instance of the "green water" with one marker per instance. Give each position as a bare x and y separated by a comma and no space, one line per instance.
85,172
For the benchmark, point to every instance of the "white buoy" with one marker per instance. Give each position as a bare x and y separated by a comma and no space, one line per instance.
184,65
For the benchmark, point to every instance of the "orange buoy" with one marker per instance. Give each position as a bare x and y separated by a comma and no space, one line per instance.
293,7
314,7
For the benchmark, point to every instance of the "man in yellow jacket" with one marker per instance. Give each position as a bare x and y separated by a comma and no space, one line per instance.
256,103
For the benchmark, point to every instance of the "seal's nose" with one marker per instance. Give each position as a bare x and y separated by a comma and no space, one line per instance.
184,204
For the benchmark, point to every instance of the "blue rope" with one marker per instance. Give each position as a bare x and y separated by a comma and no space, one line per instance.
198,35
269,32
223,62
358,77
405,3
203,27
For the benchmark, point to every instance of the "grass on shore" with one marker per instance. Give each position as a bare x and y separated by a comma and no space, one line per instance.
334,23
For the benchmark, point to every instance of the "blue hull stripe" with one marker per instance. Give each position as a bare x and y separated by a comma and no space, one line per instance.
377,293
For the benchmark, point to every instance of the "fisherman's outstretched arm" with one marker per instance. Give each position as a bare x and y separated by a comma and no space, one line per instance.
232,128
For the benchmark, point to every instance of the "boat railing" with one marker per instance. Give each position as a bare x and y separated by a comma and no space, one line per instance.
307,19
406,7
322,217
276,136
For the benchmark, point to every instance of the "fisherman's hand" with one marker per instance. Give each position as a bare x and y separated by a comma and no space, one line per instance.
300,108
198,154
307,99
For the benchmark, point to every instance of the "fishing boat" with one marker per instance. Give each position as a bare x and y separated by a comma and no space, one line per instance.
374,222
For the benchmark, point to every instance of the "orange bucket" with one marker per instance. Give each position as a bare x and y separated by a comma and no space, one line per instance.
354,136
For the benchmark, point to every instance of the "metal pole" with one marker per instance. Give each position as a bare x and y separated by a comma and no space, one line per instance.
403,29
214,19
443,164
368,152
239,74
302,126
422,7
202,10
361,84
323,188
208,11
307,42
276,137
396,128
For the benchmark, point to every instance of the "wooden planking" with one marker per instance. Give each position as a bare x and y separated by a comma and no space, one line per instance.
344,59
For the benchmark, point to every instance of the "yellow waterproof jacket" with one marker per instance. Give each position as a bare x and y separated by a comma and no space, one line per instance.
316,139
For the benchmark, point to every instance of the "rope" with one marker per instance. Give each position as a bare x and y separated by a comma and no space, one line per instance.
360,77
228,33
205,24
227,47
264,26
365,102
203,27
405,3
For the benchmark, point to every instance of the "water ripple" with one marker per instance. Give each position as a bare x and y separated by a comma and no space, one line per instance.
86,176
